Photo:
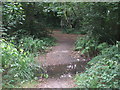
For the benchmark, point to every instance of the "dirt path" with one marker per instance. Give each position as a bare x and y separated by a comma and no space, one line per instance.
57,82
60,63
61,53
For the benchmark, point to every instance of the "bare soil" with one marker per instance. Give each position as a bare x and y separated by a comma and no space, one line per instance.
55,82
61,53
61,60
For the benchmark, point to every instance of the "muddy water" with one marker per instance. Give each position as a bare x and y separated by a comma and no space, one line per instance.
61,63
62,69
61,59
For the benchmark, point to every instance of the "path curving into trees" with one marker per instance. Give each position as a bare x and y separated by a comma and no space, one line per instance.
61,62
61,53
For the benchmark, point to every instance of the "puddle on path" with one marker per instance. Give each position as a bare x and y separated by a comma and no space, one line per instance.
63,69
61,63
62,75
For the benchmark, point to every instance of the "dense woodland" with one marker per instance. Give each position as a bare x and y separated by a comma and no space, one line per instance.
26,33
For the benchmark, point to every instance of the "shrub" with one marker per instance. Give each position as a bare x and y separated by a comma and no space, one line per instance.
16,66
31,45
34,45
104,72
49,41
89,46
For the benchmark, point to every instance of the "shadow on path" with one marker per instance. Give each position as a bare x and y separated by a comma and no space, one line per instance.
60,63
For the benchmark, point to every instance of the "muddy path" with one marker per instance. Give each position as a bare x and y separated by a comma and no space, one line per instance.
63,52
62,62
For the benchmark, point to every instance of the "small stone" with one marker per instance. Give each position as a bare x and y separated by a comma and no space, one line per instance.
69,76
78,59
83,59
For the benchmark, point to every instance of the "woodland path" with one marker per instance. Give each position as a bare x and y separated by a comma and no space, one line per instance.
61,62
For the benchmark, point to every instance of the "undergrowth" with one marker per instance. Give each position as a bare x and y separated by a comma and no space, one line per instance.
89,46
34,45
104,67
18,63
16,66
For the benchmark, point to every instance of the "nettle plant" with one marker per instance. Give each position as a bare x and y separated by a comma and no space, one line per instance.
35,45
17,65
31,44
104,70
89,46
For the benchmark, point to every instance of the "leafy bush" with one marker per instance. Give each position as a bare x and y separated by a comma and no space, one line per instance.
89,46
49,41
34,45
104,72
13,16
16,66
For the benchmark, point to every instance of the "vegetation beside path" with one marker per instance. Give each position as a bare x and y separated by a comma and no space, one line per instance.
104,66
25,34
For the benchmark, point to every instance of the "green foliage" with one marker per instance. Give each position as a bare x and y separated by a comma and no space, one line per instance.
34,45
16,66
13,16
102,21
18,63
37,19
22,28
49,41
84,42
98,19
102,46
104,72
24,16
89,45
